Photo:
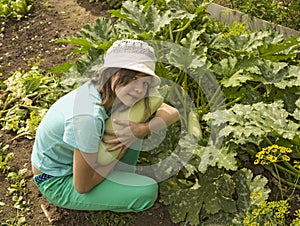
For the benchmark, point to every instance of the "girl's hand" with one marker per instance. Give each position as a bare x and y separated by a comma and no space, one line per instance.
130,133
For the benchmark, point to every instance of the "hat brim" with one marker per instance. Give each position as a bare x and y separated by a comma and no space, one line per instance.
136,67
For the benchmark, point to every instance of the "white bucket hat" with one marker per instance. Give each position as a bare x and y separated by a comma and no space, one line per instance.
133,55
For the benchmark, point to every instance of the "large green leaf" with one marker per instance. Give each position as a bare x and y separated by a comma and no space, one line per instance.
136,19
183,59
234,71
279,74
213,156
252,123
243,43
286,49
214,190
250,192
296,113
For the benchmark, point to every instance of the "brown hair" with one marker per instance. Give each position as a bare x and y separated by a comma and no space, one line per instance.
103,82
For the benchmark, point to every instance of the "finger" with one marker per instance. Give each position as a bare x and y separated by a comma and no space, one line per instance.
122,152
114,148
121,122
110,132
111,141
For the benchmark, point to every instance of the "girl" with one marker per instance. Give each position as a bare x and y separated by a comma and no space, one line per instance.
67,140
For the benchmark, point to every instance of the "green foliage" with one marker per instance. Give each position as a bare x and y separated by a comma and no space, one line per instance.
111,3
244,87
18,191
15,9
25,99
4,158
108,218
213,191
270,213
93,41
285,13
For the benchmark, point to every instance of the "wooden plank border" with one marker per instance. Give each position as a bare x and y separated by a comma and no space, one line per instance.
228,16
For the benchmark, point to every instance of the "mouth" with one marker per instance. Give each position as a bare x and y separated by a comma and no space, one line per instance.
134,98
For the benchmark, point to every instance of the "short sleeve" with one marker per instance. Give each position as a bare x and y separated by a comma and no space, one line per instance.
84,132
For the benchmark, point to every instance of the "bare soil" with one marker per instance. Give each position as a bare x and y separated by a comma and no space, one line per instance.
34,37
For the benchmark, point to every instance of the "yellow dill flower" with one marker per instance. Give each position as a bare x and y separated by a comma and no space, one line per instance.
296,222
272,158
256,212
260,154
247,221
285,150
263,162
256,162
273,148
280,208
285,158
273,154
268,223
297,213
296,164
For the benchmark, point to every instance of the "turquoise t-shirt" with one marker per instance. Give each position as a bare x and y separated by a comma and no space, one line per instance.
75,121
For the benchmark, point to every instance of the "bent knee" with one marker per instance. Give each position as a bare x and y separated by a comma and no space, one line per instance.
146,197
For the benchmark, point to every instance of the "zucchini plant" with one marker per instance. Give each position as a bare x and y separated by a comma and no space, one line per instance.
243,86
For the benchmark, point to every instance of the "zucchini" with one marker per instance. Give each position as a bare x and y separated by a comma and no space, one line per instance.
193,125
135,114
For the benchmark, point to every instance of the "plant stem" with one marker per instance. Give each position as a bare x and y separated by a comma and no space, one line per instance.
171,33
287,170
268,140
283,180
184,27
234,101
292,168
279,180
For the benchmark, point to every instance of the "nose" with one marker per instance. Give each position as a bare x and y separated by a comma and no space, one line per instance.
139,87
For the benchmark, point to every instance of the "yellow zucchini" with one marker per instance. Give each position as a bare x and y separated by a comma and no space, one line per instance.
135,114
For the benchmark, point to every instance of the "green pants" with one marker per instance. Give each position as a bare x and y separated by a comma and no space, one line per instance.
122,191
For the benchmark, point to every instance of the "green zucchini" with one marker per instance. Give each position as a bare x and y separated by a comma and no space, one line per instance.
135,114
193,125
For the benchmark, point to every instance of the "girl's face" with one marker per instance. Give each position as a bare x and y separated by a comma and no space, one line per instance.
134,91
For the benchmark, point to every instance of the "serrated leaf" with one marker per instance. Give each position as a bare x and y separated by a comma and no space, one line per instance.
213,156
296,113
243,43
251,123
136,21
101,30
272,72
250,192
279,51
184,203
216,191
191,41
235,71
183,59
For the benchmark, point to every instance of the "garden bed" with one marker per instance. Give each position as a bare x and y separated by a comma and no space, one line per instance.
22,42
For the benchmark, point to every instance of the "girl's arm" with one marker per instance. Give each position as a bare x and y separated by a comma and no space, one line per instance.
164,116
86,173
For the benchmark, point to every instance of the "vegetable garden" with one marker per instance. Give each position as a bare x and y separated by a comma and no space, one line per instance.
233,159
